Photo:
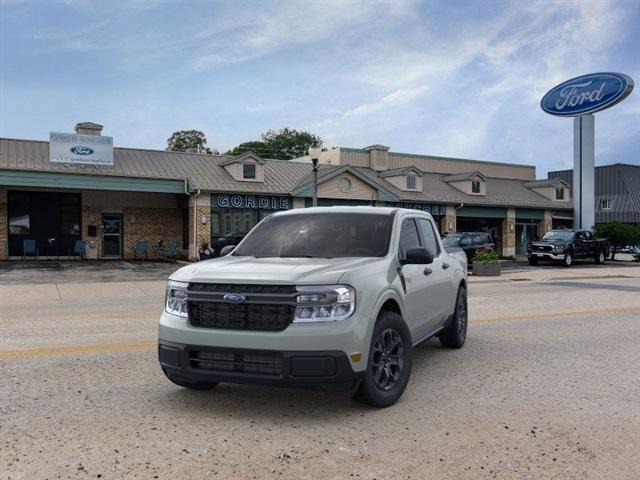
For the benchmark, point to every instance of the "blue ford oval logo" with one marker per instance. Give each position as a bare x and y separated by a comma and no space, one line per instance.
79,150
234,298
587,94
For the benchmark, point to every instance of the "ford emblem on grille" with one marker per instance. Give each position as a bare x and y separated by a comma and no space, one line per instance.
234,298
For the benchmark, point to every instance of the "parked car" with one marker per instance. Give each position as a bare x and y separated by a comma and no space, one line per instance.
565,246
470,242
331,298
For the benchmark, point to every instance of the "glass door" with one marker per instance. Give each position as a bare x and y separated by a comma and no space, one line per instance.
525,233
112,235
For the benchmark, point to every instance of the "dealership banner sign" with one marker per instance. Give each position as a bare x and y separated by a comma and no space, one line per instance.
80,149
267,202
425,207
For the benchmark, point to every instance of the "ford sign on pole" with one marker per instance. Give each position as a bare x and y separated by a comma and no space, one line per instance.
580,97
76,148
587,94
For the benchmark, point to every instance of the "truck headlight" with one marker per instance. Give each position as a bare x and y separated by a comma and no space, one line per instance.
176,298
559,248
324,303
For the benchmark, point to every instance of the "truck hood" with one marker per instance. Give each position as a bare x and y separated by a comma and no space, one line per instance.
272,270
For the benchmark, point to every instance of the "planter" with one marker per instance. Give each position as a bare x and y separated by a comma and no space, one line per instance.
486,269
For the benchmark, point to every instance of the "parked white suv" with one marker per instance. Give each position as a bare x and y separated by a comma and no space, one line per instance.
332,298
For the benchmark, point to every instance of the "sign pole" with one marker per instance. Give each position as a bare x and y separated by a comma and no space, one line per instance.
583,172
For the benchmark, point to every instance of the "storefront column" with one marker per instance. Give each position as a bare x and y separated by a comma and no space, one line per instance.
91,224
448,221
4,227
545,224
201,223
298,202
509,234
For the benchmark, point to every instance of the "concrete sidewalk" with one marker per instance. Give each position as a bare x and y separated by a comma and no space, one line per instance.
542,273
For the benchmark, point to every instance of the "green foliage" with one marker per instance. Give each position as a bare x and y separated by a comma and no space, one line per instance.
259,148
485,257
619,234
188,141
284,144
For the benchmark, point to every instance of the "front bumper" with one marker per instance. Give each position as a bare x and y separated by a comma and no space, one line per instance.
320,370
546,255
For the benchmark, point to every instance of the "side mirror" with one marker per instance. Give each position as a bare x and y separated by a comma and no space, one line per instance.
418,256
226,250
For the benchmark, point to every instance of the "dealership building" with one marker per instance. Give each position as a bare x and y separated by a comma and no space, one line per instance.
127,195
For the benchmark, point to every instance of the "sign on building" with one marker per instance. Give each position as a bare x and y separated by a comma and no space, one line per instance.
80,149
266,202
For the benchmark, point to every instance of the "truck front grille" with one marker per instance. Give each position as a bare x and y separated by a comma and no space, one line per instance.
257,363
252,316
543,248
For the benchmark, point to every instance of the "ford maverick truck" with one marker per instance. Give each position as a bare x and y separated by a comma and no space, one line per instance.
564,246
333,298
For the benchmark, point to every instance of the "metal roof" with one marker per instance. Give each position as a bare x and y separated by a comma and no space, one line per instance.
206,172
463,176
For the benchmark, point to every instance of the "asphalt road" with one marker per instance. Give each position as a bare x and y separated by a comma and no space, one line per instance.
547,387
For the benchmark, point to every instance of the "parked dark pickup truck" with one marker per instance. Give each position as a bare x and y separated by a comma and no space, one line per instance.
566,245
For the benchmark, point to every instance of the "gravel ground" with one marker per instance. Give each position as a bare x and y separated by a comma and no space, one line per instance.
546,387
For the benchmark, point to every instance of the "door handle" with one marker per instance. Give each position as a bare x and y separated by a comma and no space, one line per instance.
445,266
427,271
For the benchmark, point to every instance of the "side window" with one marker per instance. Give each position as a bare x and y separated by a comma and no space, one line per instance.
408,237
579,236
429,236
478,240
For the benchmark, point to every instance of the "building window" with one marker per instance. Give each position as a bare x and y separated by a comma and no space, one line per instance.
249,170
411,182
605,204
559,193
475,186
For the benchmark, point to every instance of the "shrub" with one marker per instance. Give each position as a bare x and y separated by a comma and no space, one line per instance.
485,257
619,234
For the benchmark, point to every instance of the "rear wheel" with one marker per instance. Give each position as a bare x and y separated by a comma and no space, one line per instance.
455,334
567,261
600,257
389,365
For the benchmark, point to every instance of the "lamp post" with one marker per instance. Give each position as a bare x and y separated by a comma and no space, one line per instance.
314,153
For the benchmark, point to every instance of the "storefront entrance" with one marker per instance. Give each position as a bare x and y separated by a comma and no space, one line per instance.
112,235
52,219
525,233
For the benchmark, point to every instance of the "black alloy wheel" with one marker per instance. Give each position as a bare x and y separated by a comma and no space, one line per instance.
388,359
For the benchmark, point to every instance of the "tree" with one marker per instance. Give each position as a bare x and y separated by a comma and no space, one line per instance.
284,144
619,234
257,147
188,141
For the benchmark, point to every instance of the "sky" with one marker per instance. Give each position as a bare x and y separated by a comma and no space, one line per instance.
446,78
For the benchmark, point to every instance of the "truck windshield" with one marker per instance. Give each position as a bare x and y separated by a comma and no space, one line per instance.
331,235
558,235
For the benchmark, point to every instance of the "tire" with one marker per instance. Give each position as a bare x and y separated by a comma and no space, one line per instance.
532,260
191,385
568,260
600,257
388,369
455,334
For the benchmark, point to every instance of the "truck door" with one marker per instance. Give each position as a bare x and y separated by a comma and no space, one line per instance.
440,297
580,245
416,311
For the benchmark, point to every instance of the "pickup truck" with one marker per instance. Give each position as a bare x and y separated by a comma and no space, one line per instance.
565,246
331,298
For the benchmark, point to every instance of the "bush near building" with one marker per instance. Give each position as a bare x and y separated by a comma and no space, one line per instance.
619,234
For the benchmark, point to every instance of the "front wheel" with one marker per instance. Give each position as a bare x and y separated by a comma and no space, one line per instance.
455,334
389,364
533,260
567,261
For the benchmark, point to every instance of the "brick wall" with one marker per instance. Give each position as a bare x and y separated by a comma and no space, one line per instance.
152,225
509,233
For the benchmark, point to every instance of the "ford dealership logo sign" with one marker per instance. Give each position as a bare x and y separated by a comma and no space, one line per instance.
78,150
234,298
587,94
